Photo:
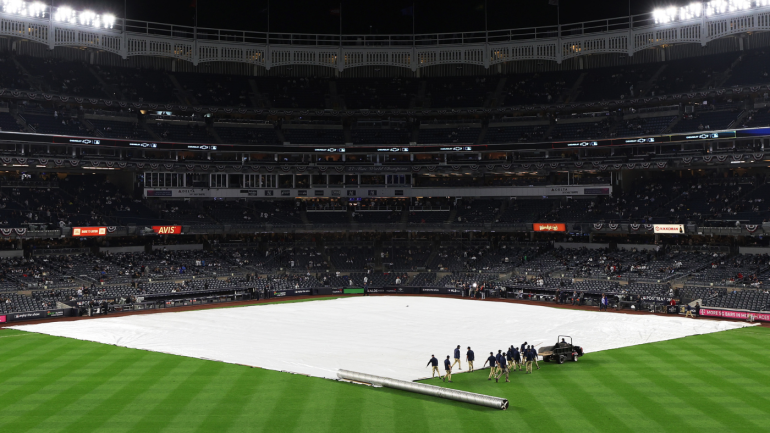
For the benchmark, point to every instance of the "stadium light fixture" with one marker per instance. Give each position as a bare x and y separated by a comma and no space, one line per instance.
697,9
62,14
19,7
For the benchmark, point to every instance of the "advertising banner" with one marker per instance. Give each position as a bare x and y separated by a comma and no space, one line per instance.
89,231
13,317
442,291
167,230
668,228
291,292
326,291
549,227
2,319
731,314
388,290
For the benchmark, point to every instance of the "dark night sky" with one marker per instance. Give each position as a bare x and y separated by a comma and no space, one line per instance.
303,16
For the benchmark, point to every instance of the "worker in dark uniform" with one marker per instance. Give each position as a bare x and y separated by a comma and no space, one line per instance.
434,362
509,356
500,358
448,370
504,369
516,359
532,348
522,349
530,358
457,358
491,360
470,357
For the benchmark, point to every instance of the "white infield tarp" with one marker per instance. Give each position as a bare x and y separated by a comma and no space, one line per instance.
385,336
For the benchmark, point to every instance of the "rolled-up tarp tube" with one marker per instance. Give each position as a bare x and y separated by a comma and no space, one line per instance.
421,388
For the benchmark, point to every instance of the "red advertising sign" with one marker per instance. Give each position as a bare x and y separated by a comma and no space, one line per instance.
729,314
550,227
2,319
89,231
167,230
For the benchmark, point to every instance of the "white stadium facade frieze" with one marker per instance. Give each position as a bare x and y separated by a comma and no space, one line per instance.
698,23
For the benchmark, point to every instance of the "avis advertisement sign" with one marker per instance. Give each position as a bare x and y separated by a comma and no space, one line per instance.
728,314
167,230
668,228
551,227
89,231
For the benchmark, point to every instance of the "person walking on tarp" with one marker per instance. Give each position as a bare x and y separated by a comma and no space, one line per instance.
434,362
469,357
491,360
457,358
448,369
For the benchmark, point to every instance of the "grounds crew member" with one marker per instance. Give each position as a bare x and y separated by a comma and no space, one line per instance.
532,348
530,354
504,370
433,361
457,358
516,359
688,311
500,358
448,369
509,356
469,357
491,360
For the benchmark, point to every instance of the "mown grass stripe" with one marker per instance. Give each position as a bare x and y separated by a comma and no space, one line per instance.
410,416
175,392
92,410
722,388
48,386
685,379
293,396
233,402
671,415
32,365
124,408
596,378
261,402
591,409
89,390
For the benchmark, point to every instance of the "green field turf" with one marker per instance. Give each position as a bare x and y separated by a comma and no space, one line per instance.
716,382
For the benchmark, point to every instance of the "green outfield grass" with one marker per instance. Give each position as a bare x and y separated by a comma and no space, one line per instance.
716,382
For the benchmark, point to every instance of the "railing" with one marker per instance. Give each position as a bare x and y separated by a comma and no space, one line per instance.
624,35
28,184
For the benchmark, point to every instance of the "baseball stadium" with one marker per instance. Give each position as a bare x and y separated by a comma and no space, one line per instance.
415,216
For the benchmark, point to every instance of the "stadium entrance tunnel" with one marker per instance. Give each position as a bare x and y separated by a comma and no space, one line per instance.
421,388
